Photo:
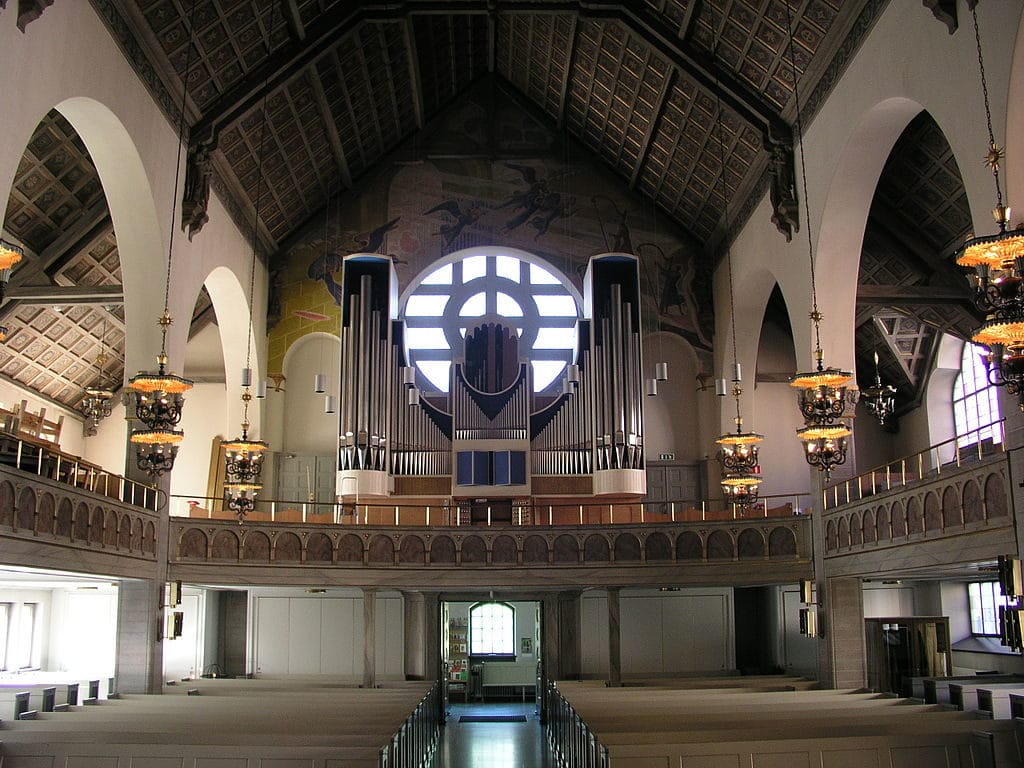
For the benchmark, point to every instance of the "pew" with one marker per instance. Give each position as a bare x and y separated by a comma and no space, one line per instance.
936,689
967,696
994,701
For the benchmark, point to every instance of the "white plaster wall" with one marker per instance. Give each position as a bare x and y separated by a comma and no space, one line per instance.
205,417
888,601
672,419
306,428
661,633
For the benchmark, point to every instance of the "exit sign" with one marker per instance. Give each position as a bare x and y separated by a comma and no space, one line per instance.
666,457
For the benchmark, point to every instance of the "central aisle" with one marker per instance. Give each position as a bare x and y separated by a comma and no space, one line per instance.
492,745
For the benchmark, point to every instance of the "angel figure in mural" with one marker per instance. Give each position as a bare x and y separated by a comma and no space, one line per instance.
538,204
620,241
323,267
462,218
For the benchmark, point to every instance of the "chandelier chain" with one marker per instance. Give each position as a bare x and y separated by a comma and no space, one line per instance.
994,152
258,208
177,176
798,125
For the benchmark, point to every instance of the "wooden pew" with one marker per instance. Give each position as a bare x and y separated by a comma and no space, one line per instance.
994,701
966,696
936,689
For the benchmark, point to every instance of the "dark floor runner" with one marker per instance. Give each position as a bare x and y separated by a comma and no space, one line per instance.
492,719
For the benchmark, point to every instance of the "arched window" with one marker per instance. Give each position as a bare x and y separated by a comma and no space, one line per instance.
975,400
442,303
492,630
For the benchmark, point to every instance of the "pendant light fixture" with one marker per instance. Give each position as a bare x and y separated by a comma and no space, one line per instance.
879,399
822,397
243,456
96,402
998,262
737,454
159,395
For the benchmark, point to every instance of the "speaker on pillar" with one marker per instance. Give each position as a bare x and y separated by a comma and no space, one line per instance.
806,592
1011,578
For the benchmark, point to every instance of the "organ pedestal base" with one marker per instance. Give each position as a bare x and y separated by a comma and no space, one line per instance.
620,481
358,483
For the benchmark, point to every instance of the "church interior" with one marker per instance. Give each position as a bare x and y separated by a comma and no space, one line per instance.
650,373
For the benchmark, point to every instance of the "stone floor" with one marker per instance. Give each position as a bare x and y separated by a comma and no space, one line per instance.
492,745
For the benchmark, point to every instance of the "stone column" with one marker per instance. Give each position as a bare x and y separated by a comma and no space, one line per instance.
614,645
422,635
139,656
551,638
841,654
369,638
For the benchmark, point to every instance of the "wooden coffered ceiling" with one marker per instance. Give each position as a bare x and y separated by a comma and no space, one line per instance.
350,86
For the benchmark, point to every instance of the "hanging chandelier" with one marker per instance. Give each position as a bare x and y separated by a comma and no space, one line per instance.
879,399
823,392
243,463
243,457
10,254
998,263
159,395
737,455
96,402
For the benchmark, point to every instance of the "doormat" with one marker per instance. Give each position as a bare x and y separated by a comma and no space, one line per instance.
492,719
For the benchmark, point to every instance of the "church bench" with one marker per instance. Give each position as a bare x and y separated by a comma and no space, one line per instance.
967,696
994,701
936,689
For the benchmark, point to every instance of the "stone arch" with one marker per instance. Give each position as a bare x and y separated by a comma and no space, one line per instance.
596,549
882,524
350,549
96,526
565,549
781,543
381,550
995,496
843,534
950,507
306,424
474,551
45,513
503,550
411,550
856,531
689,546
287,548
110,528
720,546
972,506
136,545
830,536
320,550
535,550
133,212
657,546
863,155
124,533
870,534
750,544
225,546
65,518
192,545
442,550
256,547
80,524
149,538
26,516
932,512
915,516
627,548
899,520
6,503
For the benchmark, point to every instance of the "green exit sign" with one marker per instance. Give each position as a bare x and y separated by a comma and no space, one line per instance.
666,457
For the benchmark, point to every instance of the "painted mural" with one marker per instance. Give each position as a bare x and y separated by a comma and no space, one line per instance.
531,192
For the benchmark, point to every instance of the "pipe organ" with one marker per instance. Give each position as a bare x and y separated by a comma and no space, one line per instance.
490,435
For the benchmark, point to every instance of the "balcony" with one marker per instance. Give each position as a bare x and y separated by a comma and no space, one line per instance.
943,505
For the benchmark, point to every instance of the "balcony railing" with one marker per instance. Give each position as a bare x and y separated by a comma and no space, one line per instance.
45,460
931,462
523,512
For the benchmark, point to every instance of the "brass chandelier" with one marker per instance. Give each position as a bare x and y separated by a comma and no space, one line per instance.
998,263
822,397
159,395
96,402
879,398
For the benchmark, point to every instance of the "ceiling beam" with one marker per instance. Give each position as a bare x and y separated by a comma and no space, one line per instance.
286,63
49,295
653,127
904,295
331,129
293,19
409,34
570,60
